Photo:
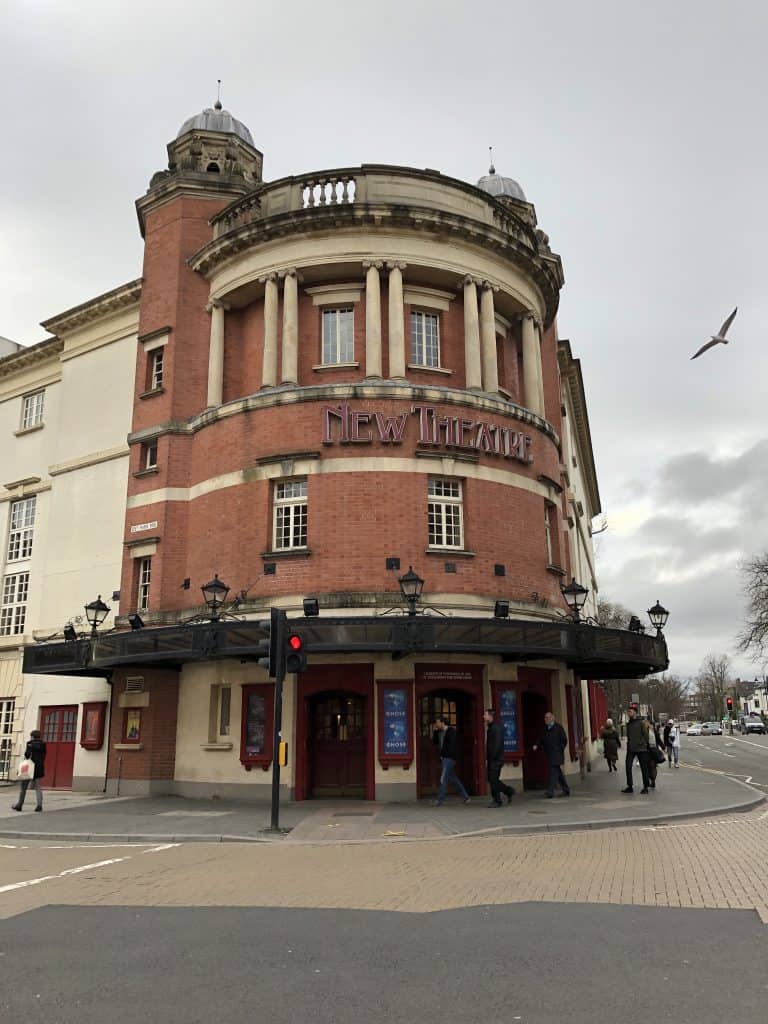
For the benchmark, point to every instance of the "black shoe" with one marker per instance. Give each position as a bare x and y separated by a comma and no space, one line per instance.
629,789
15,808
494,804
550,795
510,794
465,801
644,790
38,808
437,803
653,785
567,792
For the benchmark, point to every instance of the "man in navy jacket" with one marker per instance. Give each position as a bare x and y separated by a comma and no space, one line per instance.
553,742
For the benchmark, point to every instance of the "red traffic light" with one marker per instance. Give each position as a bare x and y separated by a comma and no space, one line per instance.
295,642
729,702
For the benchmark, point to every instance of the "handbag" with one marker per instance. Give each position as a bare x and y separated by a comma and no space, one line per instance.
600,748
658,755
26,770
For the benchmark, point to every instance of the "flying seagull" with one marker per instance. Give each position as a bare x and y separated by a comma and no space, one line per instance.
719,338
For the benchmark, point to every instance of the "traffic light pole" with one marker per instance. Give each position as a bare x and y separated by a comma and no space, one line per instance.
280,624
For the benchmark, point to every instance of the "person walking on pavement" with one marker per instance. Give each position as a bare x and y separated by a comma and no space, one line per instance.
553,742
448,754
673,744
35,752
637,747
665,739
494,758
611,744
654,744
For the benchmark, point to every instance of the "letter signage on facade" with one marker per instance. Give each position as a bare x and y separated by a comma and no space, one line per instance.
344,425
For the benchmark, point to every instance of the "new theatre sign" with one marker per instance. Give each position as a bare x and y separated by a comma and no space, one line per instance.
343,424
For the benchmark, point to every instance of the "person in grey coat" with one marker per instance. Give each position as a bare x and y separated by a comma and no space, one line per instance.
34,752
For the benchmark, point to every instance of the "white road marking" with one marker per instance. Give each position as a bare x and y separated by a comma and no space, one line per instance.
762,746
61,874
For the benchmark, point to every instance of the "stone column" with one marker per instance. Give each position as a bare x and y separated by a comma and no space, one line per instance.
471,335
539,335
488,339
269,361
396,321
290,360
533,387
372,318
216,353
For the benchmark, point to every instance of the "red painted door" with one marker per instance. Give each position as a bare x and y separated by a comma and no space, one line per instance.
338,745
535,768
59,732
458,710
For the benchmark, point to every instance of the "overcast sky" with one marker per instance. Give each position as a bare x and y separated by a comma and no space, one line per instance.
638,131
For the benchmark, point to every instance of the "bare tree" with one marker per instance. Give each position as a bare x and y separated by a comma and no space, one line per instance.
613,615
713,681
753,638
666,693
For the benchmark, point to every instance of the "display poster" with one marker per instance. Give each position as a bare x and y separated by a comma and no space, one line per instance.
133,725
508,715
255,725
395,723
92,727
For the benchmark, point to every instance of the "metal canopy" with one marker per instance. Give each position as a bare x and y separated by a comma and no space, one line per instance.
592,651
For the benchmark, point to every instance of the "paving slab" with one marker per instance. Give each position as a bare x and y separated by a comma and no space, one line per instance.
596,802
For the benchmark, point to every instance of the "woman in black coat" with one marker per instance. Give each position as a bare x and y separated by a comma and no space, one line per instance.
611,743
35,752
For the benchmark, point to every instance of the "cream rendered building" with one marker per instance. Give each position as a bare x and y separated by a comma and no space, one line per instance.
65,412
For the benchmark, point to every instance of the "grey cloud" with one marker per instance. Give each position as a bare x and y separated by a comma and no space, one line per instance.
699,477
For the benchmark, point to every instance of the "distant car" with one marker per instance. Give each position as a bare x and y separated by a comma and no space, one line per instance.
753,725
695,728
711,729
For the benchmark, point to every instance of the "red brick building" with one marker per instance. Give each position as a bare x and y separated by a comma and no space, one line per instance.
341,375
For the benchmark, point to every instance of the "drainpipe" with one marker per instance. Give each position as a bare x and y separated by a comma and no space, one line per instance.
108,681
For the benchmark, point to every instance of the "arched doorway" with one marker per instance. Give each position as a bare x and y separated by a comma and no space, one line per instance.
337,744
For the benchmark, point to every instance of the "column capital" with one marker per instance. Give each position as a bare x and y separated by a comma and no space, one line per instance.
291,272
216,304
396,265
375,264
268,277
469,279
490,286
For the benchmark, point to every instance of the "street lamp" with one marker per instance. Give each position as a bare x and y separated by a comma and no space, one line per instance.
411,585
658,616
575,595
96,612
215,594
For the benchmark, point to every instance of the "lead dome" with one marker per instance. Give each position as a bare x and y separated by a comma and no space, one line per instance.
497,185
216,119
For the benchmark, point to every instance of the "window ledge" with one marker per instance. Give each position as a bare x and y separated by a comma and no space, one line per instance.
13,640
147,472
335,366
28,430
216,746
556,570
129,746
269,556
430,369
151,392
456,552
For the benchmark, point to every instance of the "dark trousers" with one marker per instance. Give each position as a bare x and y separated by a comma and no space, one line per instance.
556,778
497,786
642,757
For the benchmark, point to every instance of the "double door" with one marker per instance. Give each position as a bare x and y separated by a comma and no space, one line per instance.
337,745
58,726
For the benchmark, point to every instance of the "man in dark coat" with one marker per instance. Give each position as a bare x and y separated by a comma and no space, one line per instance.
637,747
553,742
35,752
448,755
494,758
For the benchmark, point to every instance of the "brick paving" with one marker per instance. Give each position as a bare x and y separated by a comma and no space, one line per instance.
681,865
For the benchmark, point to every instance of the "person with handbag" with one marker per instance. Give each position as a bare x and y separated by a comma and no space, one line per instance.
656,755
35,752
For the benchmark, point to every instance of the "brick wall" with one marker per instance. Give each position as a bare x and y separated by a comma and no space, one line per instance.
157,756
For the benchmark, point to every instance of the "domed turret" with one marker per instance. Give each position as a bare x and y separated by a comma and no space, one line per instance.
500,187
216,119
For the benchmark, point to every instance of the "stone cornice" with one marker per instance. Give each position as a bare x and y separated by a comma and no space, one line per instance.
291,395
197,184
570,373
39,353
123,297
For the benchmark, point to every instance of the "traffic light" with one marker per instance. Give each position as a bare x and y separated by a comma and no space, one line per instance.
275,625
295,656
729,703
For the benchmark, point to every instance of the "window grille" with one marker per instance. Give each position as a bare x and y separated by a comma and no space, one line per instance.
145,578
290,519
22,528
13,611
156,373
7,710
338,336
425,338
32,410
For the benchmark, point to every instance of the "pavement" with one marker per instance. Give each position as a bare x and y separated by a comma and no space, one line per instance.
595,803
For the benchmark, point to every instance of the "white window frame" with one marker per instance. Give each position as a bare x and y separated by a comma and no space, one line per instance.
32,409
445,513
150,455
157,364
21,528
224,713
7,715
548,533
337,351
144,583
422,350
13,603
290,515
